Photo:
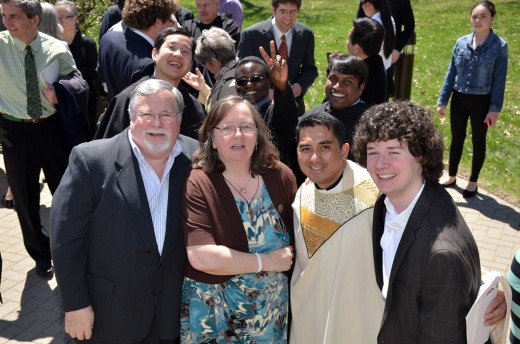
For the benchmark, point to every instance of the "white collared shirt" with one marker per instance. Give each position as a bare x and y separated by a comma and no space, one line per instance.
156,190
394,228
145,36
278,37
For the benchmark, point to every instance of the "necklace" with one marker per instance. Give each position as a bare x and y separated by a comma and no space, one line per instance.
250,211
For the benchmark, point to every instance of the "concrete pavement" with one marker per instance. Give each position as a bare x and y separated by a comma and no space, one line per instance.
30,312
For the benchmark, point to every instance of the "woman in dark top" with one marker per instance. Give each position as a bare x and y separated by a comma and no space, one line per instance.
84,51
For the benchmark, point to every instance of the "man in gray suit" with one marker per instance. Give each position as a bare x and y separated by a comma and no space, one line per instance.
299,45
116,236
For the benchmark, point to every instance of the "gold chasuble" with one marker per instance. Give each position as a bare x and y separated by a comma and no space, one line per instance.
334,293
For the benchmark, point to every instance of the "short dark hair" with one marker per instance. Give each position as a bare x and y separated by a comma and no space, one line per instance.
159,41
142,14
350,65
406,122
368,34
487,4
31,8
265,156
253,59
324,119
275,3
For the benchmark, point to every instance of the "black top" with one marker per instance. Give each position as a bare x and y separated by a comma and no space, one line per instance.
375,90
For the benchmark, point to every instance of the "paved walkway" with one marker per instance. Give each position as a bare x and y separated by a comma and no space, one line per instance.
30,312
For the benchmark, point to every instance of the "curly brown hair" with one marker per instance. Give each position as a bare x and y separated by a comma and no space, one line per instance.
142,14
403,121
265,156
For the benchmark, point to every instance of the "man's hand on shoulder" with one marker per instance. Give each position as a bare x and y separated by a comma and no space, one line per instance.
78,324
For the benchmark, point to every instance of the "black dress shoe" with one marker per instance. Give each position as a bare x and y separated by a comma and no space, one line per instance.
469,194
44,270
8,203
447,185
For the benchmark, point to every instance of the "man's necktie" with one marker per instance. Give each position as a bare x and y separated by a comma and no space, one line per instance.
34,103
284,53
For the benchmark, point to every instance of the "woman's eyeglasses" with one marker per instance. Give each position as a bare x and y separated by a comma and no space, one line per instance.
254,80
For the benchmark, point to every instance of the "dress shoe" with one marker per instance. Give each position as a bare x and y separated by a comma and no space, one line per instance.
453,183
469,194
8,203
44,270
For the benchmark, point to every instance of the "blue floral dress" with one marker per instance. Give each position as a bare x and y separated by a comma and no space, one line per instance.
248,308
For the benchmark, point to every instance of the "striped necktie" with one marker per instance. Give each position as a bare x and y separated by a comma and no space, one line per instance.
34,103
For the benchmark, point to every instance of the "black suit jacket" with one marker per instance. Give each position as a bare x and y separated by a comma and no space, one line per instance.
103,243
124,58
435,276
302,66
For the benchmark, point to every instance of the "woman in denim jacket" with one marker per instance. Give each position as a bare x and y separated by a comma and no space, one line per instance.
476,77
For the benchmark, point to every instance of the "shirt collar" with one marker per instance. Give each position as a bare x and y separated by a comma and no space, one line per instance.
142,34
397,222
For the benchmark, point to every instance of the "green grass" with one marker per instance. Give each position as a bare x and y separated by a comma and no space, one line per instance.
438,25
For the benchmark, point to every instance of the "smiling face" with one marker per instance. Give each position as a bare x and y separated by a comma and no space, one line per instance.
254,91
208,10
396,172
155,139
18,24
342,90
173,59
285,16
481,19
320,155
235,148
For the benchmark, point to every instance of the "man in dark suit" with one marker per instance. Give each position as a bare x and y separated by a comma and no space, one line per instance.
299,45
116,239
173,58
426,259
125,57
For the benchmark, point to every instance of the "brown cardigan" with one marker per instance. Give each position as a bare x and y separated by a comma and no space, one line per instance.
210,214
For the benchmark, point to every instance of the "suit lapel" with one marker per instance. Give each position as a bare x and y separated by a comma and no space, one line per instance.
130,184
414,223
297,36
174,234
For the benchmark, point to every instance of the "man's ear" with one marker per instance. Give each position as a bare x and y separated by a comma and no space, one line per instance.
362,88
154,54
273,10
345,148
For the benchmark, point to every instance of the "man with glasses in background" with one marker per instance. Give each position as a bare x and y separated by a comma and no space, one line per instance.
294,43
117,240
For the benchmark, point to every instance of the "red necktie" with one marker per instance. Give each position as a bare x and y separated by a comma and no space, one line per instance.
284,53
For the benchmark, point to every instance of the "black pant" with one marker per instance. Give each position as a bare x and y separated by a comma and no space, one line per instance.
35,146
475,107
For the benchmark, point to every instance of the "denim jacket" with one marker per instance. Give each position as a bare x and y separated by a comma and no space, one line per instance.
479,71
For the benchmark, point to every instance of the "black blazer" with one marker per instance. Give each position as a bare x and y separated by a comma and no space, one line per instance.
103,243
124,58
435,276
302,66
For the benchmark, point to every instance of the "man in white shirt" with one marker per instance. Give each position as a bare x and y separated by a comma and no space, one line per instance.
426,259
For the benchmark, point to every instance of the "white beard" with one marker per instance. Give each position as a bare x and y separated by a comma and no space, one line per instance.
157,147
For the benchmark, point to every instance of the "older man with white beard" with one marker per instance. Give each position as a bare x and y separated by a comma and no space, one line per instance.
116,240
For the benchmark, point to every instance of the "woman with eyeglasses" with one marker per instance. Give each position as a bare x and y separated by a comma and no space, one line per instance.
215,50
84,51
238,225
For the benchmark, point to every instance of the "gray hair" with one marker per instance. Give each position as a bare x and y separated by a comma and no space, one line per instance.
153,86
31,8
215,43
72,7
49,21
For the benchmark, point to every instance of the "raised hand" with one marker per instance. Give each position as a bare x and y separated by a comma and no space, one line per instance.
278,70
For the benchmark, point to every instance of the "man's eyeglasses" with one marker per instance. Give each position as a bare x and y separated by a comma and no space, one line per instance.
164,117
285,13
254,80
232,129
66,17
